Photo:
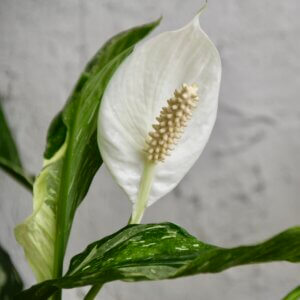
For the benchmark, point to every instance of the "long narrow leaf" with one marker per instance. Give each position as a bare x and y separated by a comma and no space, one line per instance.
9,156
71,159
162,251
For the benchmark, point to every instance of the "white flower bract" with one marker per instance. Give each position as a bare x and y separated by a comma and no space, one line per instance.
135,96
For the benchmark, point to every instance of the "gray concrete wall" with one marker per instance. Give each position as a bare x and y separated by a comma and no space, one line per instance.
244,188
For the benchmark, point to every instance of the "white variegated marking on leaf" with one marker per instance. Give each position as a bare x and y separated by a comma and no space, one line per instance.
181,248
86,260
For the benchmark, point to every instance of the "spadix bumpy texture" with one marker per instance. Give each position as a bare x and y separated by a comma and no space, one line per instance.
171,122
135,97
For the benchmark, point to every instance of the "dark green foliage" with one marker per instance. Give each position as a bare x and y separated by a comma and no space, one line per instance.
9,157
56,136
162,251
10,281
73,134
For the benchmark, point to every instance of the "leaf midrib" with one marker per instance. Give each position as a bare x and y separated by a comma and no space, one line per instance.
60,243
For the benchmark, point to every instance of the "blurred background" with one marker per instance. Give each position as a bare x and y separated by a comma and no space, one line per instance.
243,189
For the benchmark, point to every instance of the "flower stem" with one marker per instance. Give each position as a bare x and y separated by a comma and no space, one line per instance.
137,214
92,293
145,188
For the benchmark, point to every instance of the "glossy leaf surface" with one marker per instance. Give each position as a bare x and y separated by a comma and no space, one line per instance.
162,251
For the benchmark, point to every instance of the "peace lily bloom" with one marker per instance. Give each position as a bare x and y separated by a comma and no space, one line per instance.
158,112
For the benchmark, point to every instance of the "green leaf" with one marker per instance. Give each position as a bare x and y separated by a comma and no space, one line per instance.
162,251
10,281
293,295
9,157
71,159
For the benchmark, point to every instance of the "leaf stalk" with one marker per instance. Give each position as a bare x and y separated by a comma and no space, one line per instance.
144,191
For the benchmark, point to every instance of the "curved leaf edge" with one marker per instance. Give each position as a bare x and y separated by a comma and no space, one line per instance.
293,295
10,160
210,259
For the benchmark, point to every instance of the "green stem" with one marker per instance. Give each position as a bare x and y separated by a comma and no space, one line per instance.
145,188
138,211
59,250
92,293
62,226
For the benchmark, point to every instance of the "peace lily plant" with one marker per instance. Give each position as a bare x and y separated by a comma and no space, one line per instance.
150,107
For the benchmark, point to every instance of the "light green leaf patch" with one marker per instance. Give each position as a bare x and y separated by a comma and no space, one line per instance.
162,251
71,159
293,295
37,233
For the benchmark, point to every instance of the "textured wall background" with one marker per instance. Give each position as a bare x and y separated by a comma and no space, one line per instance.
246,185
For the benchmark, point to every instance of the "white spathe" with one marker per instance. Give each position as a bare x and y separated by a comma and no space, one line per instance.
135,95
